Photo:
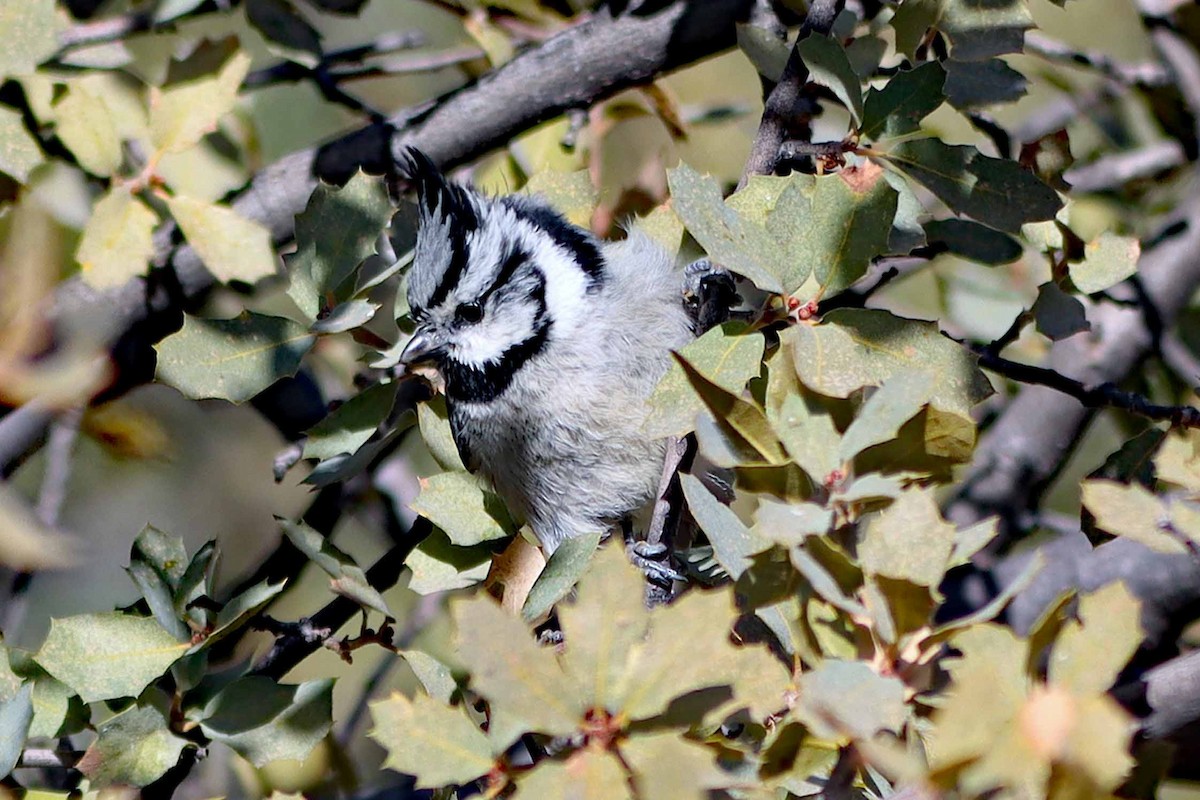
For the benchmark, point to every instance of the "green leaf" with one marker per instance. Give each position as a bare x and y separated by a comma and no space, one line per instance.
16,714
610,618
572,194
833,230
287,33
995,191
522,680
973,241
430,740
733,543
265,721
57,709
1058,314
1090,652
197,582
742,417
665,765
334,234
666,666
824,584
1107,261
117,240
898,108
134,748
975,84
346,316
828,66
238,611
909,541
589,774
232,359
106,656
435,676
888,408
841,699
790,524
30,29
232,247
982,30
854,348
434,420
156,564
19,151
726,355
568,562
87,126
1131,511
10,682
732,241
439,566
181,115
460,506
350,425
766,51
349,580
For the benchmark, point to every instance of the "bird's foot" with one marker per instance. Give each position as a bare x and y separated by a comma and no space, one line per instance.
653,559
710,293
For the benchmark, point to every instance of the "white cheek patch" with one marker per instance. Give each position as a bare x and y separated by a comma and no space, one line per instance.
566,283
487,341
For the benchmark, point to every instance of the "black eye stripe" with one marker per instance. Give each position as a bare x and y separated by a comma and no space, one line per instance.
570,238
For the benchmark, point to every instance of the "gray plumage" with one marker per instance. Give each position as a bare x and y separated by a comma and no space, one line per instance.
550,341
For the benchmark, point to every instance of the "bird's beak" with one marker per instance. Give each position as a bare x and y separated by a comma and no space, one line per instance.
422,347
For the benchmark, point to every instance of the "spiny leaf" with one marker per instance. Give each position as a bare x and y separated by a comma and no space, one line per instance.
265,721
1107,261
898,108
607,620
736,243
349,580
117,241
995,191
19,151
741,416
846,699
828,66
568,562
106,656
181,115
522,680
29,35
232,359
334,234
134,748
232,247
351,424
84,122
589,774
853,348
726,355
1089,653
909,541
459,505
733,543
572,194
430,740
880,418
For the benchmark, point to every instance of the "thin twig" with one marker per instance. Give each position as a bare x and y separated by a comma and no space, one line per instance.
1105,395
103,31
1143,73
785,109
1117,169
45,758
63,433
291,71
290,650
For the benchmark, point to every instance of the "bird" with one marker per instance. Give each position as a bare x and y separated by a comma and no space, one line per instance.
549,341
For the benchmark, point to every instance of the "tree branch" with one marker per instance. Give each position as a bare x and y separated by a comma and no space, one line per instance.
783,108
1105,395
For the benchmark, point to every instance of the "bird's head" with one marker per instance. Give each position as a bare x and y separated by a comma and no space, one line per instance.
493,281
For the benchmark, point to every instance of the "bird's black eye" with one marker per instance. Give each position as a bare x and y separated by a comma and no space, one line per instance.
468,312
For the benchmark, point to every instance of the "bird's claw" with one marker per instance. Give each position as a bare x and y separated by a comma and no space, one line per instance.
652,560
